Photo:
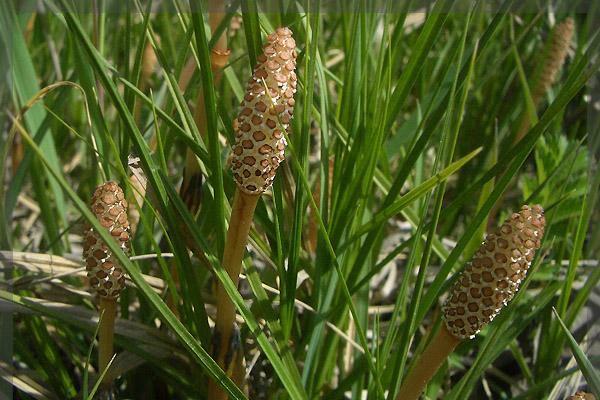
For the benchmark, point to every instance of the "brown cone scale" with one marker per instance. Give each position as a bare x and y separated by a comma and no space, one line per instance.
266,110
106,276
493,277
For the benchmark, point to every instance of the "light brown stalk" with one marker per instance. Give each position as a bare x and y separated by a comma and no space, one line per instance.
258,151
106,277
149,62
313,225
191,185
186,74
242,213
427,364
17,154
108,311
219,53
485,286
29,27
137,179
219,56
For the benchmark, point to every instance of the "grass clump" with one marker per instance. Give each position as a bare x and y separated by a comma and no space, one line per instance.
414,130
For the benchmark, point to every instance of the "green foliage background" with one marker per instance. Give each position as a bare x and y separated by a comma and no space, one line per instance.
416,115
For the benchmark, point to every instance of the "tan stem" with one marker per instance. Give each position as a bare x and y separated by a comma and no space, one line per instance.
17,154
191,184
242,212
427,364
219,56
313,225
238,369
149,62
29,27
108,310
190,189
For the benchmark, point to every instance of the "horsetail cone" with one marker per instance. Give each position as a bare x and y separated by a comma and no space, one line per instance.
266,109
105,275
493,277
554,57
487,284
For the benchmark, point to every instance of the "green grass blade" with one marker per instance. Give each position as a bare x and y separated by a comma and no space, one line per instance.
167,315
287,377
578,77
210,101
588,370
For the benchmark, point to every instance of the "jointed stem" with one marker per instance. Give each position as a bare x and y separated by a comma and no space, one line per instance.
427,364
242,212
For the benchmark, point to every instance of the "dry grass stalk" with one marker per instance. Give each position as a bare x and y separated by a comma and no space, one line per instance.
105,274
486,285
257,152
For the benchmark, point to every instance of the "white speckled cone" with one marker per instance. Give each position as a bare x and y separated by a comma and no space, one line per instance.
266,108
491,280
105,275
